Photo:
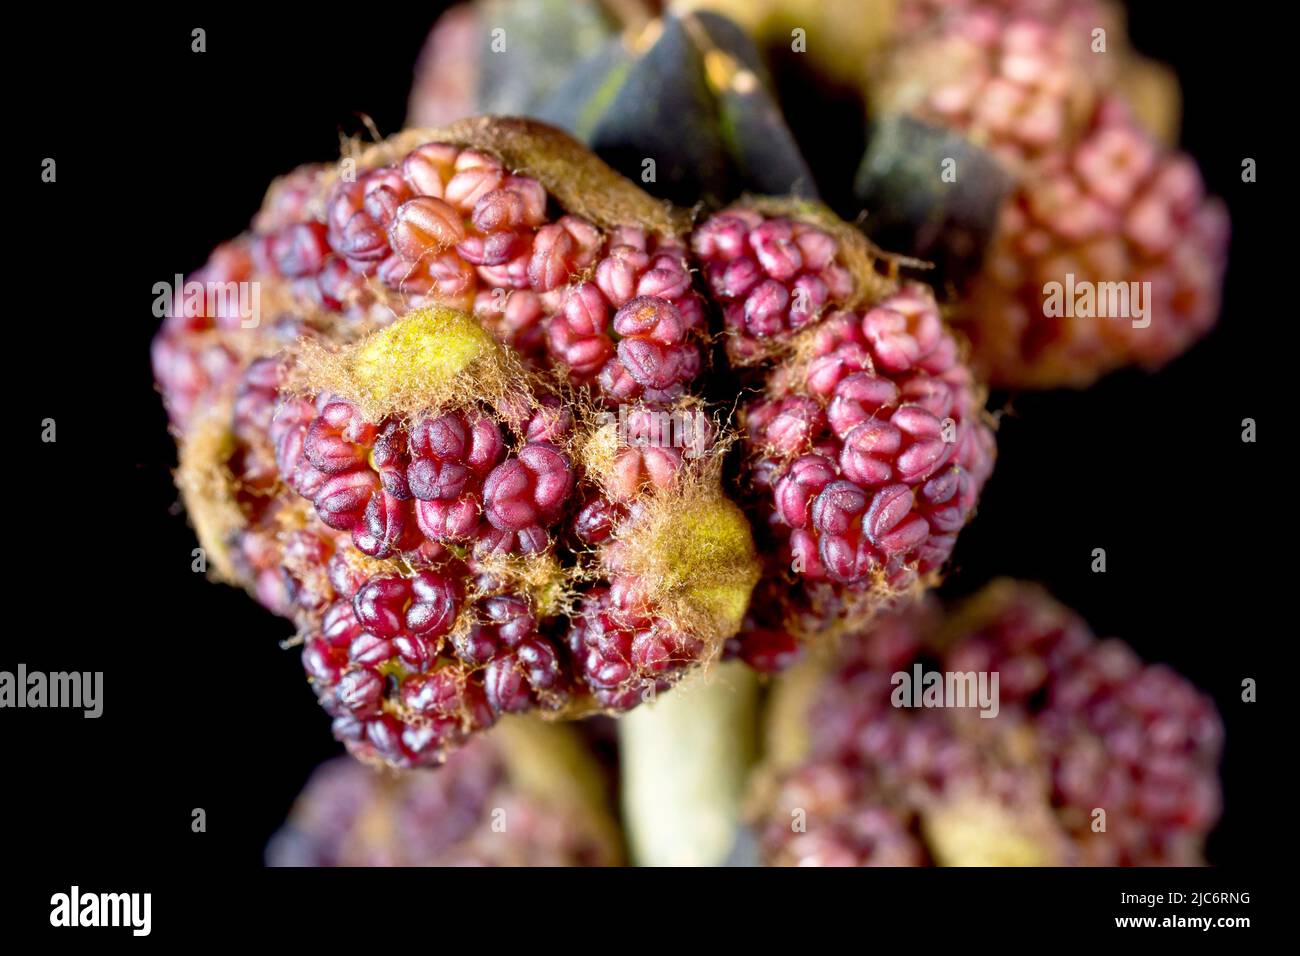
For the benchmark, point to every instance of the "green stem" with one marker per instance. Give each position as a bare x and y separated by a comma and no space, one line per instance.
685,760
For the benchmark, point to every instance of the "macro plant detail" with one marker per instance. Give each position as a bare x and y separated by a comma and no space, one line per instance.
602,383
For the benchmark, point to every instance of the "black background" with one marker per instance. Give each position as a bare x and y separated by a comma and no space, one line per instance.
162,153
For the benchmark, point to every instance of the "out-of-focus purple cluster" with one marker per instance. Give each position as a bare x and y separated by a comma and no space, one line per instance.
1092,757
